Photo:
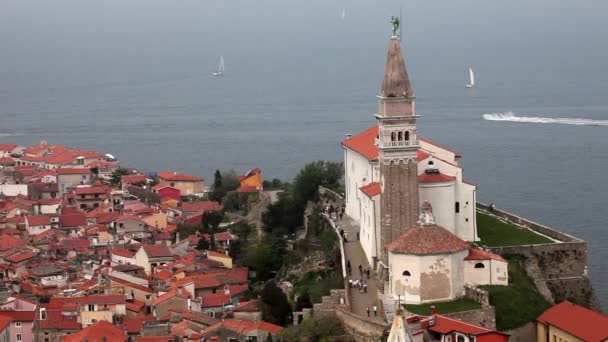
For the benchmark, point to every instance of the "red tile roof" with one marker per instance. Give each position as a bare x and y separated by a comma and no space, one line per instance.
72,220
133,324
364,143
73,171
154,339
160,186
7,161
224,236
39,220
371,189
8,147
4,322
434,178
122,252
431,239
20,315
131,179
478,254
9,241
201,206
576,320
19,257
215,300
157,251
178,177
101,331
445,325
88,190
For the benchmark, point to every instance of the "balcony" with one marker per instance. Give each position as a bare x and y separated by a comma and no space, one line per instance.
397,144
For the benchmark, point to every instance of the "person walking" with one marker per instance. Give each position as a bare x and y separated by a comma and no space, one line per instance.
360,270
345,236
357,236
367,309
375,311
348,268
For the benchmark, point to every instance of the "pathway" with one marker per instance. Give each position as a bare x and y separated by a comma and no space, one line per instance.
360,301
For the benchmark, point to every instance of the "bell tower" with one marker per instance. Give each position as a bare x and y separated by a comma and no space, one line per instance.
398,150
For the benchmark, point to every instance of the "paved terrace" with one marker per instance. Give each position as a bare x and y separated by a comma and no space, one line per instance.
354,253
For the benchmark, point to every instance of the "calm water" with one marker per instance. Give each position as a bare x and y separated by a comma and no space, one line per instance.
131,78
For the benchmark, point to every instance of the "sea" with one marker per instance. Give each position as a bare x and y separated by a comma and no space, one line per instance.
133,78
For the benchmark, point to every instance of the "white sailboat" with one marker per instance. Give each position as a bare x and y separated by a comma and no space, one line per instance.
343,13
220,68
471,83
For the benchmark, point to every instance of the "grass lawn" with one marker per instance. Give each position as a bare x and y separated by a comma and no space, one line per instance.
444,307
494,232
518,303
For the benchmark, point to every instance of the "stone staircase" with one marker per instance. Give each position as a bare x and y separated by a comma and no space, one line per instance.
531,267
389,305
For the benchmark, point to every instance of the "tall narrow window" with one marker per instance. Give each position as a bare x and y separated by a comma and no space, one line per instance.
393,136
399,136
457,207
407,135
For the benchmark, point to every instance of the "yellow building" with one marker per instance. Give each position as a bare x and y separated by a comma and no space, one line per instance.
219,257
567,322
252,180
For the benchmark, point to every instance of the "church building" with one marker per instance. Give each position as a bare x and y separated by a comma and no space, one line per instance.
415,210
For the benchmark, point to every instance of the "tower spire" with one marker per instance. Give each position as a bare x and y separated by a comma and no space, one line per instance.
396,81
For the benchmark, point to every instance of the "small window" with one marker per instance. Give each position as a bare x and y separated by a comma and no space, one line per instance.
431,163
457,207
91,307
460,338
148,297
399,136
19,337
407,274
480,265
18,324
466,219
407,135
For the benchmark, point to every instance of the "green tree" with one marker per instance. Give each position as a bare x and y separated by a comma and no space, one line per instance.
203,244
211,220
236,250
307,182
230,181
314,329
218,192
115,178
275,306
267,257
303,301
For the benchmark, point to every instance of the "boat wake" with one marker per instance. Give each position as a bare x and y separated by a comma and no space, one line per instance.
509,116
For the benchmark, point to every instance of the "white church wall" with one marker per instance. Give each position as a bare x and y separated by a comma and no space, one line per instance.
358,171
369,219
493,272
432,278
466,223
441,196
438,151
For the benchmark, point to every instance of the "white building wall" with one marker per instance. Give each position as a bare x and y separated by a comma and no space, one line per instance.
358,171
442,197
439,152
466,222
368,221
494,272
13,190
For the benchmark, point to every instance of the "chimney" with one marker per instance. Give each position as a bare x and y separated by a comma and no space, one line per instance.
433,310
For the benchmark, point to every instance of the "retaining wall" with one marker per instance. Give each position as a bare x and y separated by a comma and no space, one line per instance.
484,317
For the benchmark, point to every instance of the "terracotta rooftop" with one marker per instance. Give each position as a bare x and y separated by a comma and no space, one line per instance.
432,239
371,189
576,320
445,325
157,251
88,190
435,178
73,171
72,220
101,331
38,220
178,177
478,254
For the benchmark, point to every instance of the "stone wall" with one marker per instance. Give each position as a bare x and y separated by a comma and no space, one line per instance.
360,328
481,296
558,269
484,317
525,333
577,290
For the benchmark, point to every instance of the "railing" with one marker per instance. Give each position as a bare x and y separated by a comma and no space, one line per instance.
403,143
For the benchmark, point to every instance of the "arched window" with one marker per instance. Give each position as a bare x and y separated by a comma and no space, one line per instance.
460,338
407,274
407,135
393,138
399,136
480,265
431,163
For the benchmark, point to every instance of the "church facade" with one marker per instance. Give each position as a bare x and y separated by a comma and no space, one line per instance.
415,210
